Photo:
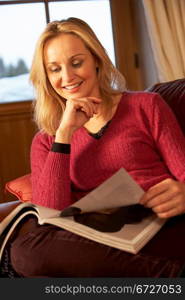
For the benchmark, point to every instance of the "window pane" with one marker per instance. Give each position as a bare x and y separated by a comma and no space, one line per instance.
20,27
96,13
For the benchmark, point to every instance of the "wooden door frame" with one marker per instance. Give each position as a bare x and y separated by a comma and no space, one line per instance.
125,42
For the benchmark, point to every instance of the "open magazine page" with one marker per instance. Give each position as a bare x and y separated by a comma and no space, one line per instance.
130,237
47,213
119,190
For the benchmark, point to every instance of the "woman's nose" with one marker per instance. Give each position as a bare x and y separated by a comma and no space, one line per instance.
67,75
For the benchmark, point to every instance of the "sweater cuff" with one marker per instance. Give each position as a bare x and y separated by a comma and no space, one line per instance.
61,148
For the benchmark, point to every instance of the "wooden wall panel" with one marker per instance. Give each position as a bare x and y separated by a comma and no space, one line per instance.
16,132
126,43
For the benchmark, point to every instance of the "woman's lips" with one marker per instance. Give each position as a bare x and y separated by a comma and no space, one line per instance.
73,87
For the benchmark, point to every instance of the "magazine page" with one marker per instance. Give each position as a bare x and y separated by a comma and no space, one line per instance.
129,237
45,213
118,190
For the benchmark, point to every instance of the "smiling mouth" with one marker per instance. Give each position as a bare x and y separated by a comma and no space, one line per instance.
71,87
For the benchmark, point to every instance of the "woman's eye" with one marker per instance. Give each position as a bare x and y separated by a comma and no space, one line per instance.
77,64
54,70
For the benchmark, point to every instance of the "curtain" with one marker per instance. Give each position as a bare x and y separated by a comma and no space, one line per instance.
166,26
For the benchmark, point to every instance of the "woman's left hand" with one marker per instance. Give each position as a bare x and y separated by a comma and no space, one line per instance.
166,199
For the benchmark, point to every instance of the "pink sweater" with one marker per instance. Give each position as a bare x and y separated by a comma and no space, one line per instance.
143,137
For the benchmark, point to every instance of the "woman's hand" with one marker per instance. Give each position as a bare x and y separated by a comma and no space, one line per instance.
166,199
76,114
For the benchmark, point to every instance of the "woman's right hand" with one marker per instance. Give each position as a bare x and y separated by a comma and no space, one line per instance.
76,114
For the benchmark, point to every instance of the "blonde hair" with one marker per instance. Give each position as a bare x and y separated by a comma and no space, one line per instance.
49,106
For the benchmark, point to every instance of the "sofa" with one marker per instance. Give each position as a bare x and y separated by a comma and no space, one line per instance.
165,243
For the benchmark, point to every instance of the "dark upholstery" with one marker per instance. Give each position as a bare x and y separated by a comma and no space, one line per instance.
173,92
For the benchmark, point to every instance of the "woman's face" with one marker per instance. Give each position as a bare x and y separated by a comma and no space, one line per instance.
71,68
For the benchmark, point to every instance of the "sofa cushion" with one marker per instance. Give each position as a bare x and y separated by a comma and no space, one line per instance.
20,187
173,92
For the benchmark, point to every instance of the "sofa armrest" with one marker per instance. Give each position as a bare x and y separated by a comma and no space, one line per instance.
7,207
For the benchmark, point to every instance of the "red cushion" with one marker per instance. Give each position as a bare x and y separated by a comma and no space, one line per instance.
20,187
173,92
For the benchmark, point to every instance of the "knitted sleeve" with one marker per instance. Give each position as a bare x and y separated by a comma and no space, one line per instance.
168,137
50,174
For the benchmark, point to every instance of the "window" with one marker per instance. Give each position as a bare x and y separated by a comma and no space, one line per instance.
21,23
19,32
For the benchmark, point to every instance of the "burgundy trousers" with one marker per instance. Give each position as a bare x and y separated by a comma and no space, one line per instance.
49,251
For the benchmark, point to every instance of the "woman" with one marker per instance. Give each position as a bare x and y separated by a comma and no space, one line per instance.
90,126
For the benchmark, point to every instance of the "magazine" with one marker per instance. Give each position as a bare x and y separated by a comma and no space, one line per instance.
110,214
